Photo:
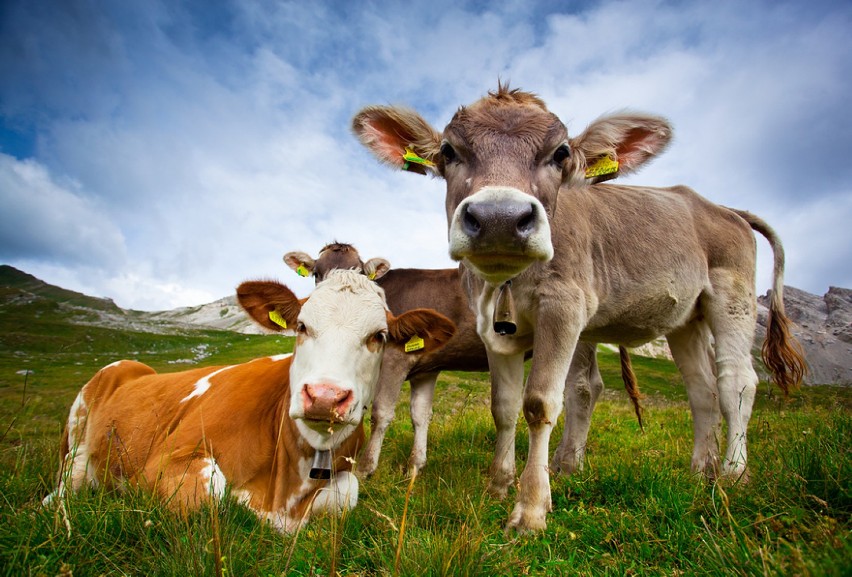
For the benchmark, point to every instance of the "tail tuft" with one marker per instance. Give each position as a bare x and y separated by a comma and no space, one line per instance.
782,353
630,384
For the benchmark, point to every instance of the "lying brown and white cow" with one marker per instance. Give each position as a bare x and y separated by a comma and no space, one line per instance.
255,427
599,262
441,290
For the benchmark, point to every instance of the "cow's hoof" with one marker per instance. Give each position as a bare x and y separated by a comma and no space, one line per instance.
525,519
564,468
365,468
735,476
497,491
415,464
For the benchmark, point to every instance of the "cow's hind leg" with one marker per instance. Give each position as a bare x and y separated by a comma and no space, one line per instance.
582,389
692,350
76,467
185,483
731,312
507,384
422,395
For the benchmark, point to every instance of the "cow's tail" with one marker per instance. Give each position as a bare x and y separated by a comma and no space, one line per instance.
631,385
782,353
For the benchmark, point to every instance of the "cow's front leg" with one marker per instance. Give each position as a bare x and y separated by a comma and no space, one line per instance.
555,340
394,370
507,382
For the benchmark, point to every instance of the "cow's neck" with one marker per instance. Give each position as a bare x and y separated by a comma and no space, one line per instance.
483,299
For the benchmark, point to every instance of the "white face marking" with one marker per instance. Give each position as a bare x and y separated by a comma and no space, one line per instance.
341,316
215,479
202,385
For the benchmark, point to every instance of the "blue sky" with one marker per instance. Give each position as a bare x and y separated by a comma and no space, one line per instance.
159,153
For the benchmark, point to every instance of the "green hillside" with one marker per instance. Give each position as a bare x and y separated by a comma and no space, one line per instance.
15,283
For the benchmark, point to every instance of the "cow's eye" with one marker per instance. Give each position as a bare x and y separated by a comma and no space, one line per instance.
301,328
380,337
448,152
561,154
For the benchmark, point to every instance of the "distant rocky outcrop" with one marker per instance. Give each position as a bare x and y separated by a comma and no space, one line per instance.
223,314
823,326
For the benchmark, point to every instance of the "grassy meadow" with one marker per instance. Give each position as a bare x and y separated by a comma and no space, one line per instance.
634,510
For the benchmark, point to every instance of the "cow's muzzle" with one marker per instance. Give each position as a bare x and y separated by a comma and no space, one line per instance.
326,402
500,231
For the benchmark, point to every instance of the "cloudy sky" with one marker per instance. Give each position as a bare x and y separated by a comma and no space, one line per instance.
160,152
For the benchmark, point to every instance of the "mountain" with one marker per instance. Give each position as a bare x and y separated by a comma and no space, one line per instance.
19,289
14,281
223,314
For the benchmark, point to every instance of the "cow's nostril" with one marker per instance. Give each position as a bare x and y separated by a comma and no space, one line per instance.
526,220
470,223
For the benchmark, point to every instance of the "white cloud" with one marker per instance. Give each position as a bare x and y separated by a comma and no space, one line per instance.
43,219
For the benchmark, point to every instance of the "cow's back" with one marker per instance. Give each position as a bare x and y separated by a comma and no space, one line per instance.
131,410
645,254
439,289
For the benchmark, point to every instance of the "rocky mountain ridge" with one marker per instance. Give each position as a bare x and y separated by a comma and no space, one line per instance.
18,288
823,326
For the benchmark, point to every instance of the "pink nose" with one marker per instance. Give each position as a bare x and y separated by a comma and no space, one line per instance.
325,402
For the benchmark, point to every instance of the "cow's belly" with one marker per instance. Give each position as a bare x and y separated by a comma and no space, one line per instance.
641,320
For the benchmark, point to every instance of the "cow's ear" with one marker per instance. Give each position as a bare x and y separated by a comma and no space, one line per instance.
419,330
399,137
301,262
270,304
376,268
618,144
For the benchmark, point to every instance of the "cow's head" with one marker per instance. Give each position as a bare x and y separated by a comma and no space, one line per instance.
342,330
336,255
505,159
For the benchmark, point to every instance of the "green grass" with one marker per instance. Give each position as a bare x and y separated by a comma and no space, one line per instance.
634,510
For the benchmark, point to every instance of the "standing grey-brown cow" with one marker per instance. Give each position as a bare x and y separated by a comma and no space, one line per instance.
591,262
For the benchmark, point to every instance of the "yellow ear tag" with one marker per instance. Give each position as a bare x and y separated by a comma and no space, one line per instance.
372,275
302,270
410,156
604,166
276,318
415,343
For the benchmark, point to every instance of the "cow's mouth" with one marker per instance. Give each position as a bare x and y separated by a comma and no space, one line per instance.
328,424
499,267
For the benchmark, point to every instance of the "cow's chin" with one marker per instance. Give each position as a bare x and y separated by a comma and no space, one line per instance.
324,435
497,269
